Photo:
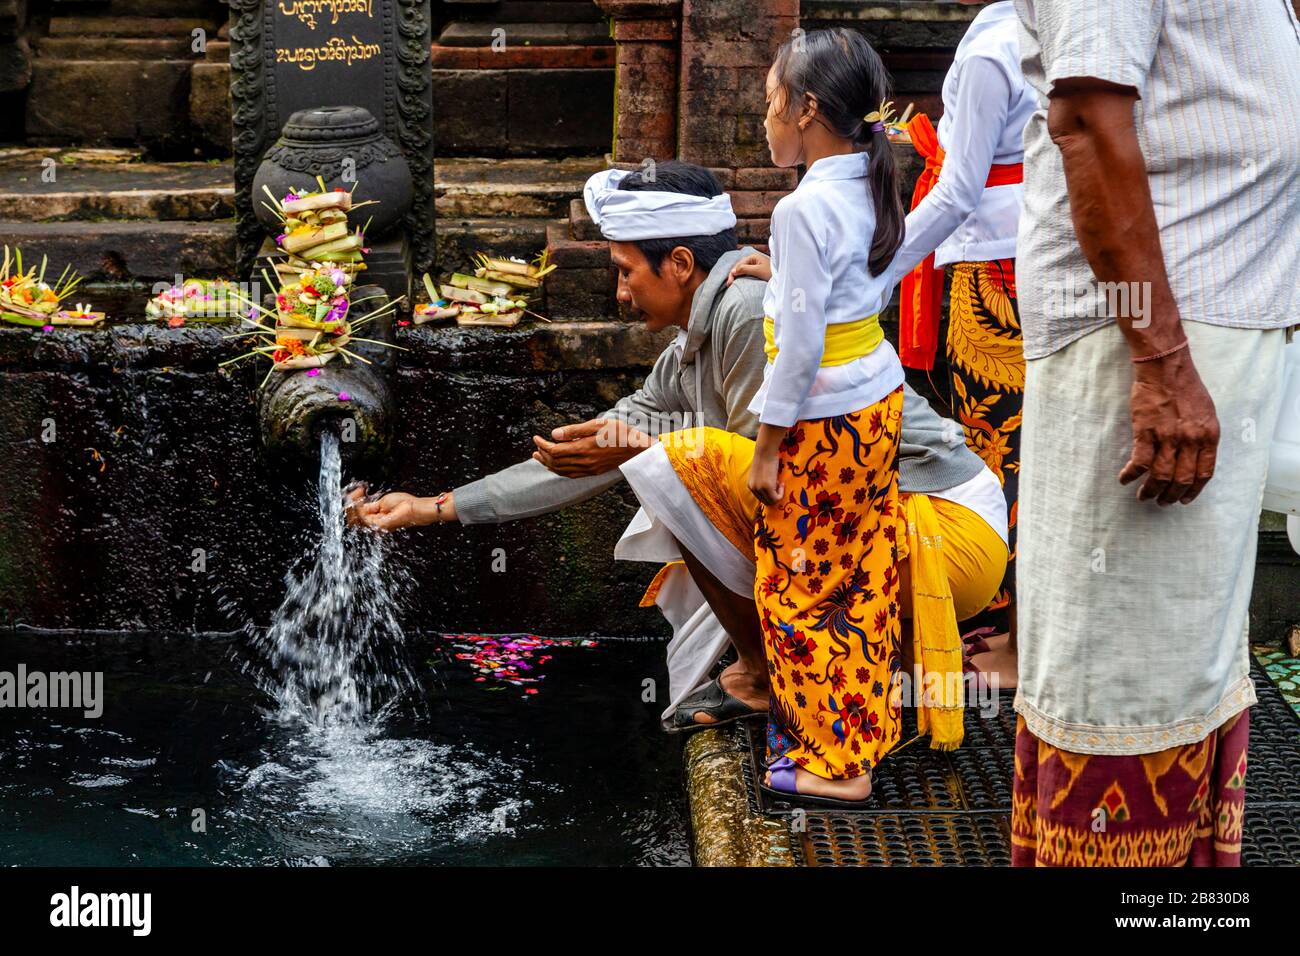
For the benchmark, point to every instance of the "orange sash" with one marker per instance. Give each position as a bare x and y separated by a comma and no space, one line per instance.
921,300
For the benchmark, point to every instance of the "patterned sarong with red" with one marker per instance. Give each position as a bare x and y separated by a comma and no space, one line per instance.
921,298
1177,807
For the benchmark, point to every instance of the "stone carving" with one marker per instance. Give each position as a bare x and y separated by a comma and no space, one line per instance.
321,142
395,86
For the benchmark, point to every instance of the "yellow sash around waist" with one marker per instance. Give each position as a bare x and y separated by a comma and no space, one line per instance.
845,341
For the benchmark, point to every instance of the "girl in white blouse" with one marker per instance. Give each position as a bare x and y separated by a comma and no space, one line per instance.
824,464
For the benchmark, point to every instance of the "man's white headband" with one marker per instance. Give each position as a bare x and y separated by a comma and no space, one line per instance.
628,215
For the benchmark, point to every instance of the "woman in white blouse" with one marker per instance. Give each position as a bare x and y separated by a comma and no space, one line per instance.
965,218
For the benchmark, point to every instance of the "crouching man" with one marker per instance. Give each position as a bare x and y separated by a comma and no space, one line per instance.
672,239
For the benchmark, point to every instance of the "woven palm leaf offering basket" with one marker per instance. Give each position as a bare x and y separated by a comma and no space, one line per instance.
26,298
315,229
497,293
198,300
311,324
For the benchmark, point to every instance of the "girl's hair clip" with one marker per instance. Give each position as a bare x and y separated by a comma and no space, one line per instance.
878,119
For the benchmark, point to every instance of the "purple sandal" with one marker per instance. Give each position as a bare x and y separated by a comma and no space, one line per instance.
783,788
975,642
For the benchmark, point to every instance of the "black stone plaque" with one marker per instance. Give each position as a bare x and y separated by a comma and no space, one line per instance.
289,55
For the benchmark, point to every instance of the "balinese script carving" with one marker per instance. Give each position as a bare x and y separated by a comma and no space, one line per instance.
308,10
336,48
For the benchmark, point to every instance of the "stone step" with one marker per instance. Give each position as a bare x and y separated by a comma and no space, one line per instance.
458,239
510,188
105,102
116,48
142,8
463,33
130,251
132,26
146,251
542,11
112,186
559,57
53,184
523,112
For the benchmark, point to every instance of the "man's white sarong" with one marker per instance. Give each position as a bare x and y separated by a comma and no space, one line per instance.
1133,616
669,514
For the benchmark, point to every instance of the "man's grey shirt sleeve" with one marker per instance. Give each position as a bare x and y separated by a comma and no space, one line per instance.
652,408
738,330
529,488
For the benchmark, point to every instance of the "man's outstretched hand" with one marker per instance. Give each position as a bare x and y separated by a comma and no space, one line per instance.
1175,431
590,448
393,511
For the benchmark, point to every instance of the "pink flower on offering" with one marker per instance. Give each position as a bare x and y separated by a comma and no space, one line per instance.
279,240
290,196
339,277
313,372
344,397
47,328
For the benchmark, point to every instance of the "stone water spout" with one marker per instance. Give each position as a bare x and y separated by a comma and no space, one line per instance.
355,401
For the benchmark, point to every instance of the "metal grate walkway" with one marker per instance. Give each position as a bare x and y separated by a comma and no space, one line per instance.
953,809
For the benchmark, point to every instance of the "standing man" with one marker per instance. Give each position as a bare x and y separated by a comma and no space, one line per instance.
1158,255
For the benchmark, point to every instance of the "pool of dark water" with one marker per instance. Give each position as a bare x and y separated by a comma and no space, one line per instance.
190,765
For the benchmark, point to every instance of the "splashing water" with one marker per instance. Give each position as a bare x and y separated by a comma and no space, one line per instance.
333,784
335,643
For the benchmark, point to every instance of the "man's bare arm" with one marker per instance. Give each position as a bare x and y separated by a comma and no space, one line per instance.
1175,430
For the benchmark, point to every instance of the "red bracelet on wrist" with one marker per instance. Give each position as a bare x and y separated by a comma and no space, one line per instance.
1160,355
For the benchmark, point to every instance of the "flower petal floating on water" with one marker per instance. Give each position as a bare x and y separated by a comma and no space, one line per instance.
508,659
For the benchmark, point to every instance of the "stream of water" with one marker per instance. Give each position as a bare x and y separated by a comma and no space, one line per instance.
336,645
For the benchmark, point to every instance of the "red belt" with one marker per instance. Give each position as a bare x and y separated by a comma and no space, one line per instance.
922,294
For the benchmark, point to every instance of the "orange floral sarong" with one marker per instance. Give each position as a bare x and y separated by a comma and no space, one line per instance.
827,591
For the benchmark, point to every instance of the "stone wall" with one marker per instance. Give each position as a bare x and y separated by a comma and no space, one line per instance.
153,453
531,78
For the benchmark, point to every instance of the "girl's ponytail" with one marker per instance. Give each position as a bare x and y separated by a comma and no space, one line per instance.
882,175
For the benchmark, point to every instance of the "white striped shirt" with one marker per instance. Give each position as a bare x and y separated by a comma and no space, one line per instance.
1217,123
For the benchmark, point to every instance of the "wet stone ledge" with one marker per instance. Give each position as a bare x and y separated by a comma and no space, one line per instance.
528,348
725,829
